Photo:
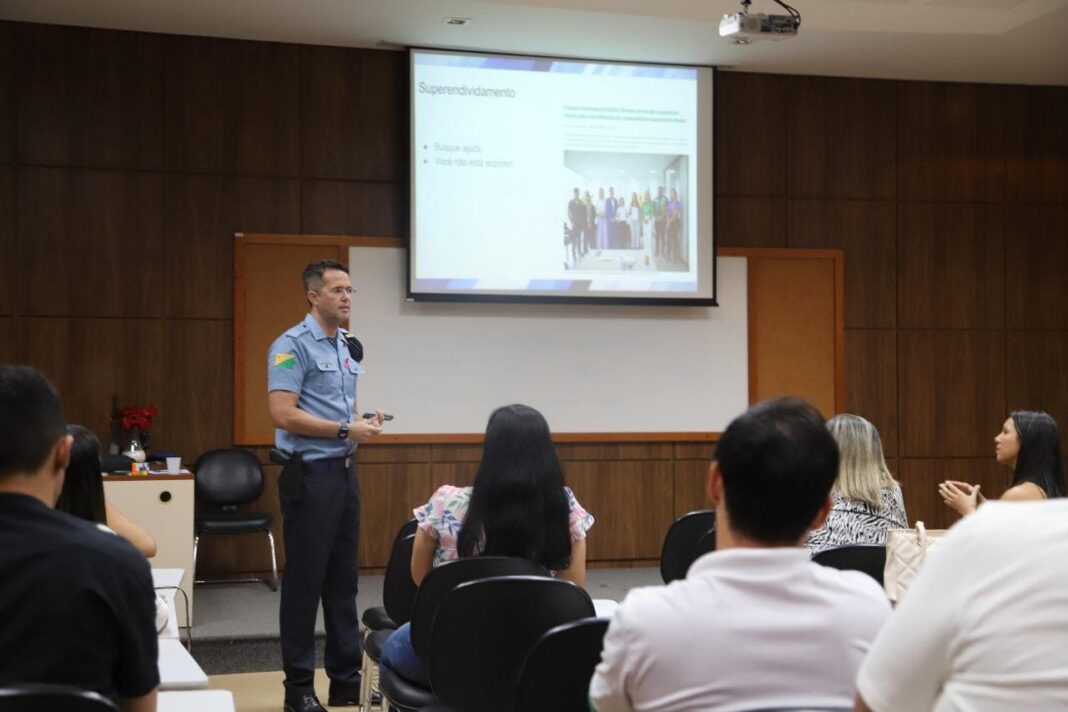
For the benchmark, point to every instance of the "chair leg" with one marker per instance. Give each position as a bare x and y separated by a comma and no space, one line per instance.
196,542
273,583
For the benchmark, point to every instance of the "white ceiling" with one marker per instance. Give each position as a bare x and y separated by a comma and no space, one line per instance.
1003,41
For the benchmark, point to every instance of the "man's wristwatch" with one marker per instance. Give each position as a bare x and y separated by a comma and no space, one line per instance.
343,431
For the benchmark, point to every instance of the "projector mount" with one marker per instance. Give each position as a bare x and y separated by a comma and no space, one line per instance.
743,28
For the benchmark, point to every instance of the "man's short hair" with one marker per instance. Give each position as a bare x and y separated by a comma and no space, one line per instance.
778,462
31,420
314,272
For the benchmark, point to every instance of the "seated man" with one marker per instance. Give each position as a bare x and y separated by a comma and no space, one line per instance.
78,601
754,624
984,625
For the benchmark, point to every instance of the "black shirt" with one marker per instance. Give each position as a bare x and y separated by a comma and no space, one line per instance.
77,606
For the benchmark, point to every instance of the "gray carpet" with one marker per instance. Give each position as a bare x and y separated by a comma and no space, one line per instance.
236,625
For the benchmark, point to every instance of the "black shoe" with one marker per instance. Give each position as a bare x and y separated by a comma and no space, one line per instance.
344,694
303,702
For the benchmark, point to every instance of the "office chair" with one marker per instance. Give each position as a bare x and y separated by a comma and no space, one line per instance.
228,478
687,538
35,697
871,559
556,673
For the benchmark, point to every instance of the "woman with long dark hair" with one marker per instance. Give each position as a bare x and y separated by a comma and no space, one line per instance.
83,492
518,506
1029,443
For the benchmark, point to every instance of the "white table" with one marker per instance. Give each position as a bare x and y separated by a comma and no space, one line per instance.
604,607
177,668
196,701
166,583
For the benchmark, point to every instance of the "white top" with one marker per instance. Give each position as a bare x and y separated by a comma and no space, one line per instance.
984,627
746,629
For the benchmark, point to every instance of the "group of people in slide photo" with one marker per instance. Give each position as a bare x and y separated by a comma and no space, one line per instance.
642,222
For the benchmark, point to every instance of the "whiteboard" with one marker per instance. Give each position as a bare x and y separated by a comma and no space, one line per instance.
441,368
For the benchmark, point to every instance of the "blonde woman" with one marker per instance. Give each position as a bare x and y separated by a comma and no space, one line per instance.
867,500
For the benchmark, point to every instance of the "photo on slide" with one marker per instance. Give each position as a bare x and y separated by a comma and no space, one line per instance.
626,212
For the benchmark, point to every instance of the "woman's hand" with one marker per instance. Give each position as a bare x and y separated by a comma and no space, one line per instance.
961,496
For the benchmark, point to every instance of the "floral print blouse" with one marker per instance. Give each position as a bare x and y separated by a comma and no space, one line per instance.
443,515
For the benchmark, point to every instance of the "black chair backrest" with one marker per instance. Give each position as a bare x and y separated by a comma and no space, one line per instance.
228,477
52,698
871,559
556,674
443,579
685,541
406,529
398,588
484,631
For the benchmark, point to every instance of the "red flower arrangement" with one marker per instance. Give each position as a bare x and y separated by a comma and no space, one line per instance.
138,418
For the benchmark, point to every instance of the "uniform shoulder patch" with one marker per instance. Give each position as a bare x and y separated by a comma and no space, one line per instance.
286,361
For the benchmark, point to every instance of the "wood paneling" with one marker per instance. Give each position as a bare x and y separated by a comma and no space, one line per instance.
7,92
8,353
866,233
691,487
98,237
951,139
1036,266
632,503
201,215
750,222
1036,144
196,414
842,138
613,451
89,97
750,151
1037,367
871,381
388,494
10,277
231,107
345,208
919,485
354,114
951,266
951,392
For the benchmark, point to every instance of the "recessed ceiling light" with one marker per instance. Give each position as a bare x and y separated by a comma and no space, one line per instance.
457,20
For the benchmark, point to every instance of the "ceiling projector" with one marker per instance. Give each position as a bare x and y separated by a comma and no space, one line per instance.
743,27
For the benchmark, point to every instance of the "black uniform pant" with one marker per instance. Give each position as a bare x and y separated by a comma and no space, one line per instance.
322,534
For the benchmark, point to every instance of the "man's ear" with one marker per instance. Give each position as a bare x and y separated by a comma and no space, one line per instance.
61,454
715,484
823,513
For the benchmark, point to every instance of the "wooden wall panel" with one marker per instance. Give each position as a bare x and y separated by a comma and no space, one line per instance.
841,138
10,276
98,234
871,381
8,351
388,493
90,360
951,139
691,487
89,97
1036,144
354,114
951,392
1037,368
345,208
569,452
1036,266
201,214
866,233
196,407
919,484
750,222
750,115
7,92
951,262
231,106
632,503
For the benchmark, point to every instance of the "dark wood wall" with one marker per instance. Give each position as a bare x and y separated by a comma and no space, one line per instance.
127,161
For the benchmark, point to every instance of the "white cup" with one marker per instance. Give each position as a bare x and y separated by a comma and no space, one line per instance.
174,465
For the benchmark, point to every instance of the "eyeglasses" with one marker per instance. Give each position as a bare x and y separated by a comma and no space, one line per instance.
339,291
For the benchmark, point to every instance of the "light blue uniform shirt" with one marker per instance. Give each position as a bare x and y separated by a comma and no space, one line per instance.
321,371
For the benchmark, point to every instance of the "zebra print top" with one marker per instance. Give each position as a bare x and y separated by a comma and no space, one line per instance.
856,522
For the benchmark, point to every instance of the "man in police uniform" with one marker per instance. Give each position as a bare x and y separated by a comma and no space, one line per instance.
311,383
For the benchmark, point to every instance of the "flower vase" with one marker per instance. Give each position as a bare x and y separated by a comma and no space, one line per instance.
134,451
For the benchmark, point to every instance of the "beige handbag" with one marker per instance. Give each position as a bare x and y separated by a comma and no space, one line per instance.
906,553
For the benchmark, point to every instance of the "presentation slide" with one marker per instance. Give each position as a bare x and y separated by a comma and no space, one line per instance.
559,180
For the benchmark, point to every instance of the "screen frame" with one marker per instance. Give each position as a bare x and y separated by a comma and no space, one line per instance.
519,298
